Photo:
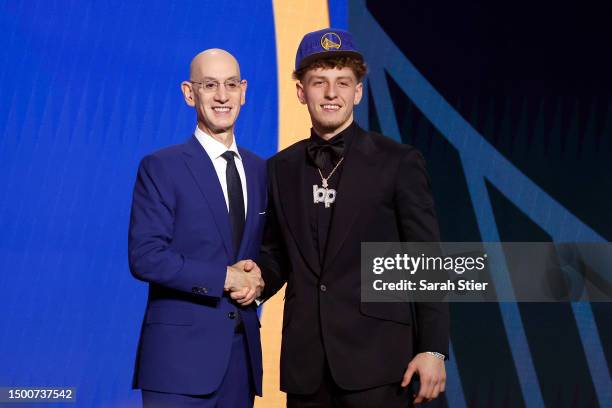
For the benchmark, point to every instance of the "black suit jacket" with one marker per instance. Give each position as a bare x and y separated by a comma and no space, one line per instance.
383,195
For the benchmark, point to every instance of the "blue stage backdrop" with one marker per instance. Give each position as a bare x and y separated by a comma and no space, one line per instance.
88,88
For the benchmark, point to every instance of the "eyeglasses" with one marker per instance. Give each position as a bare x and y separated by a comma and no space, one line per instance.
231,85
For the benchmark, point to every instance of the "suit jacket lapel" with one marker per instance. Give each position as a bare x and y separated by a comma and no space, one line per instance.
357,178
292,185
252,207
206,178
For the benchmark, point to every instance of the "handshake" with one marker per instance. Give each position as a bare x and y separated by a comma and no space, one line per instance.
243,282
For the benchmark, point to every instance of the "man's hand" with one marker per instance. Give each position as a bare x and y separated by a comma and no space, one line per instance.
432,374
244,281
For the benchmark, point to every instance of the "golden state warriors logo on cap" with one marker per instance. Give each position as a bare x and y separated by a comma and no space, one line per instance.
331,41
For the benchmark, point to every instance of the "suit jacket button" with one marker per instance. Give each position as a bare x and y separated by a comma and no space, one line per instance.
231,315
323,288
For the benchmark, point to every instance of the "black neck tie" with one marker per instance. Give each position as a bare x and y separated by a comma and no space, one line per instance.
236,199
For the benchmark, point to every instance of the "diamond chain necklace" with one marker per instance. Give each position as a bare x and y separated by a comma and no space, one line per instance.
324,179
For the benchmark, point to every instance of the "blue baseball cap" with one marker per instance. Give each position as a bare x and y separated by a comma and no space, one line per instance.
326,43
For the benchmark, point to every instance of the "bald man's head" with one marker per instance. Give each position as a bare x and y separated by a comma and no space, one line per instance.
215,90
212,59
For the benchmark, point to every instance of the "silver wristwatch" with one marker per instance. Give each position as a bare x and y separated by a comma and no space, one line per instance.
437,355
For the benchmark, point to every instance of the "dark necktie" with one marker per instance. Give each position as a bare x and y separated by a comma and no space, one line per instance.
236,199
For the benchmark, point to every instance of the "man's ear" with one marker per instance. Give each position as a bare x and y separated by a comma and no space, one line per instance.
300,92
187,89
358,93
243,86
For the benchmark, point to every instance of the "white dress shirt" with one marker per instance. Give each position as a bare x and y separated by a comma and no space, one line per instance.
215,149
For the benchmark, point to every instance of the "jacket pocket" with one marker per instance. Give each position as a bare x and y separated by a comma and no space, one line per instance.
394,312
175,316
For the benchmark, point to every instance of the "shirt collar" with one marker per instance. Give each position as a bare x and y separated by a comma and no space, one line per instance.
213,147
347,134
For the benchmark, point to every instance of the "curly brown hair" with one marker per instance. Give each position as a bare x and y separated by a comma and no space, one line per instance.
359,67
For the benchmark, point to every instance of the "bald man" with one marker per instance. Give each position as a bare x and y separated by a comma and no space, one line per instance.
198,208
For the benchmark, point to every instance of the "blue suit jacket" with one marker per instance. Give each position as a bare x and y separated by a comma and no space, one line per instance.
180,243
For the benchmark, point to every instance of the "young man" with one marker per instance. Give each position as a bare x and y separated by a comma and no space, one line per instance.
195,211
328,194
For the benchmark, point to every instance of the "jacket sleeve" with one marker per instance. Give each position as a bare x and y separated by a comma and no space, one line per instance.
417,220
151,256
273,259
